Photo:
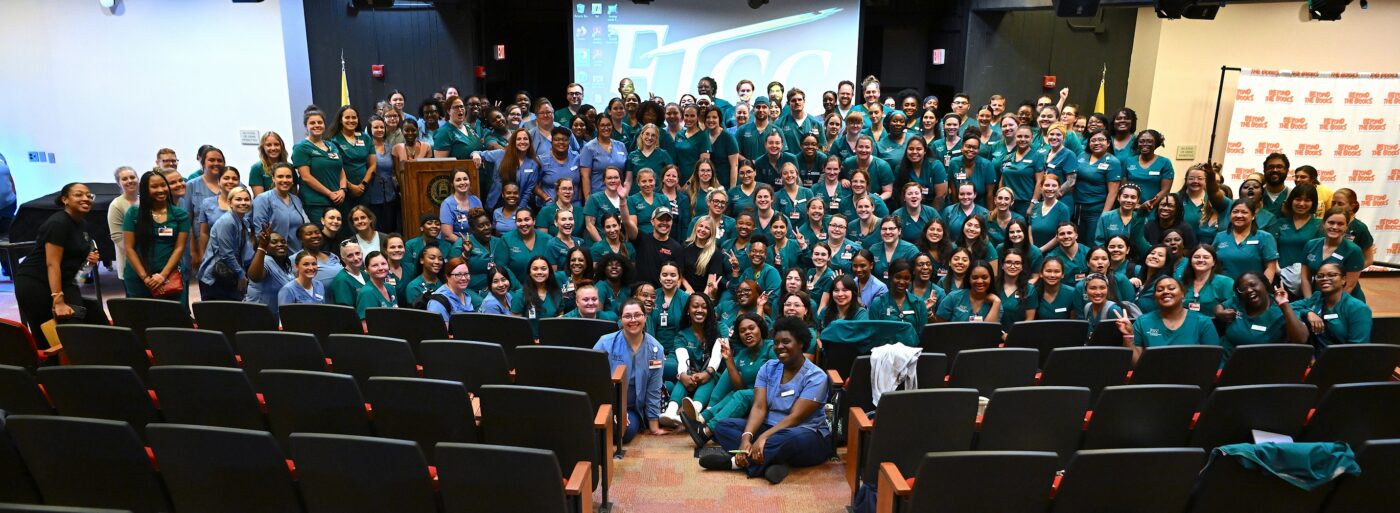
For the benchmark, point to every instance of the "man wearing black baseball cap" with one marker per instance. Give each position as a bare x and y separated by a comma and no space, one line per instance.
657,247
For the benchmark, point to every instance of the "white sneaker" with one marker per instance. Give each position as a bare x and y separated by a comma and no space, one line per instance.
692,408
670,418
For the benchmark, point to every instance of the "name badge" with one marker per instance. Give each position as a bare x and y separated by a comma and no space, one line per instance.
845,255
165,231
1103,166
974,318
1193,306
664,319
787,393
942,272
1329,317
1061,310
925,189
1336,256
1251,243
907,312
654,364
794,215
1257,327
1153,173
961,176
1079,277
1051,166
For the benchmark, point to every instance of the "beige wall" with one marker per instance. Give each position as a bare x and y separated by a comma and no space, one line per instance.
1176,63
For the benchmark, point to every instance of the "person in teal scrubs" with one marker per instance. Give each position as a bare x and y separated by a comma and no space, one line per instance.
1000,219
1099,174
768,167
1298,225
741,195
948,141
1333,316
1061,154
458,139
915,214
1014,288
900,304
921,168
344,288
614,241
1254,316
665,320
376,293
318,164
690,360
1045,216
692,144
1018,237
1022,169
957,214
1070,252
756,268
879,175
1244,247
356,154
648,155
791,196
539,296
730,393
1205,289
976,303
891,248
1125,221
752,135
724,149
1171,324
477,248
1100,260
1333,246
974,240
562,242
607,202
515,250
1098,306
1123,134
1202,203
845,303
972,169
1052,298
1152,173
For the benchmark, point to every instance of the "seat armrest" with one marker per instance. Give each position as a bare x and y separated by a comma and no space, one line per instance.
603,423
835,378
603,417
580,485
619,374
856,426
892,487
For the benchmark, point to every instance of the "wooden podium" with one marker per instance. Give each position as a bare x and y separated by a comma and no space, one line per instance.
425,184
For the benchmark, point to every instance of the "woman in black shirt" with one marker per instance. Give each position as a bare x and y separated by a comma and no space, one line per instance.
46,284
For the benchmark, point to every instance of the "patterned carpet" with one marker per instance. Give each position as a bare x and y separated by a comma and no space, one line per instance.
658,474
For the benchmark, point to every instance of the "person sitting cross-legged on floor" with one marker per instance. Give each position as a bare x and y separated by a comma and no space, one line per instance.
787,425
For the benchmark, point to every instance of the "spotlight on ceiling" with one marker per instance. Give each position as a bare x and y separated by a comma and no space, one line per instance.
1189,9
1329,10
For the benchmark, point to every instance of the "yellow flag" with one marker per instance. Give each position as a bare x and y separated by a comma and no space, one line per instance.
1098,102
345,84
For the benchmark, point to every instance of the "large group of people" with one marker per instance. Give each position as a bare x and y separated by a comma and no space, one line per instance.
724,236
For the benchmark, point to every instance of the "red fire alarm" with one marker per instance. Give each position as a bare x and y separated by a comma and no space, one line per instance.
481,72
376,70
1048,82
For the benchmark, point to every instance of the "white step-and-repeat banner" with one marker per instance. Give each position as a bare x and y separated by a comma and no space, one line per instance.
1347,125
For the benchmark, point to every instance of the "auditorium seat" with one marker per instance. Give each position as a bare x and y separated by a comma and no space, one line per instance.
16,485
1178,365
571,332
207,396
17,347
358,474
20,393
222,470
1230,413
989,369
365,356
571,368
413,326
263,350
231,317
951,338
477,478
1353,363
139,314
1049,419
1094,481
1266,364
1356,413
1141,416
471,363
1090,367
1225,486
912,422
86,344
184,346
427,411
932,370
100,392
313,402
1048,335
508,331
971,482
1377,489
320,320
88,462
551,419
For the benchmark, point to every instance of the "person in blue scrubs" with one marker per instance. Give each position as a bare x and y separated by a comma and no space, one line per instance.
277,209
305,288
644,359
1333,316
1244,247
598,155
787,424
1254,316
453,213
1170,325
271,268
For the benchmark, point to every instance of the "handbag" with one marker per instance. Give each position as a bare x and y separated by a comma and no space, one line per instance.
174,285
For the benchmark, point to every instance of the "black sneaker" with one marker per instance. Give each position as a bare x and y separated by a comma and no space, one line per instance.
775,473
717,460
692,426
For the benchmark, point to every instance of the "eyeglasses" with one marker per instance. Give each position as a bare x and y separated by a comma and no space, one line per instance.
633,316
460,275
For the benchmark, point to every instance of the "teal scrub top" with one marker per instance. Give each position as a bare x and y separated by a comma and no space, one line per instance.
848,209
480,260
638,206
1359,233
1191,216
1076,267
835,201
1063,165
665,320
1045,224
769,172
459,144
1149,178
1066,305
510,252
415,288
883,308
929,175
369,297
793,130
686,339
598,207
1348,253
1291,239
1218,291
355,156
1019,174
1244,330
752,140
344,290
954,215
1126,153
786,257
739,201
1252,254
547,216
637,161
911,228
862,314
957,307
547,308
688,152
983,178
721,147
939,150
326,167
1091,185
996,233
163,238
818,284
601,249
881,175
413,249
1111,224
1196,329
1014,307
557,251
612,299
891,150
902,249
1111,311
1121,288
1347,322
794,208
842,254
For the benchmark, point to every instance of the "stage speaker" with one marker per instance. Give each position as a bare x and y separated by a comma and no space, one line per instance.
1190,9
1076,8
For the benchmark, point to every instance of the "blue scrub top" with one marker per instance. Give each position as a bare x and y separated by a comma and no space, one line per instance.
809,383
597,158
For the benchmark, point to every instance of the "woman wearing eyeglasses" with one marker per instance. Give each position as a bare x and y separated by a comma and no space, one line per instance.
641,354
453,296
1254,316
1333,316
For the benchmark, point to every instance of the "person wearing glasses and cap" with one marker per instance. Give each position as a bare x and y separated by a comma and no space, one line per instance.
655,248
